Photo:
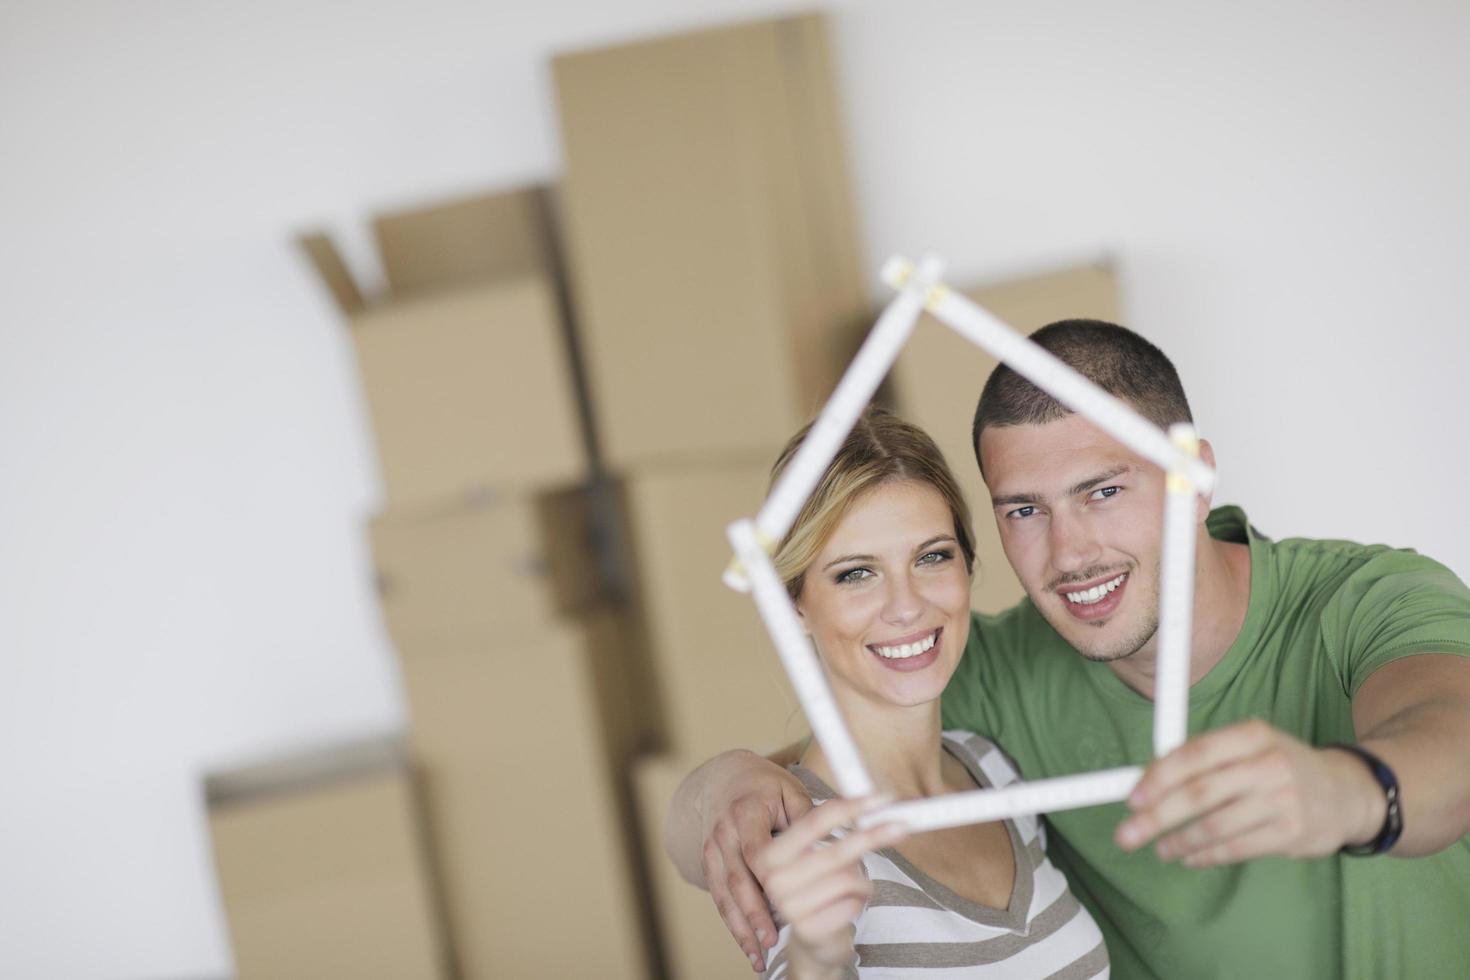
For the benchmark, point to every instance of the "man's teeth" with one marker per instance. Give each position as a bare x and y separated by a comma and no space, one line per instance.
908,649
1089,596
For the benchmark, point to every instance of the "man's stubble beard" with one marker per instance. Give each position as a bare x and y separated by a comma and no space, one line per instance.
1125,648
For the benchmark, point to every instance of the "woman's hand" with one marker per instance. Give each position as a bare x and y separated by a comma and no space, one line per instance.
820,889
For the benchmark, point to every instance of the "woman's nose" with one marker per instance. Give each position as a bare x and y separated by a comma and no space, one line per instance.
903,603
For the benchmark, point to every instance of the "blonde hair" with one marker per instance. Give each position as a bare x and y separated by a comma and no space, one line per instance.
882,448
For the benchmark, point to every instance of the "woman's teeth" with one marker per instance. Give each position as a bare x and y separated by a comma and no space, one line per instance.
1089,596
908,649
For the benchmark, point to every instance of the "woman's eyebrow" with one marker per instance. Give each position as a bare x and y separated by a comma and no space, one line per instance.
938,538
847,558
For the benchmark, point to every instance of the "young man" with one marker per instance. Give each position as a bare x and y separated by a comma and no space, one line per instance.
1330,680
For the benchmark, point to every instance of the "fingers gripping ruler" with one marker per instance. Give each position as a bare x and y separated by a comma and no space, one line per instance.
1176,452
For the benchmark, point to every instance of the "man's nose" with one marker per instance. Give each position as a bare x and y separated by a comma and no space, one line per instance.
1073,544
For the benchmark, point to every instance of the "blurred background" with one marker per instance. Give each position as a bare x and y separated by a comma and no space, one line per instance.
376,380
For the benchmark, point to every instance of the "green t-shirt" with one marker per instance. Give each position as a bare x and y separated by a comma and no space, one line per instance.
1323,615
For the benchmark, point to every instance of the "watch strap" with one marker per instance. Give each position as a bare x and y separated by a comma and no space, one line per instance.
1393,817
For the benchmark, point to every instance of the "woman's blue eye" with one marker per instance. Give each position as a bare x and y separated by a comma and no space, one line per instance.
935,557
852,575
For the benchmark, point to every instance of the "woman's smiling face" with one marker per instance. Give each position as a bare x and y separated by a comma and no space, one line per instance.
887,599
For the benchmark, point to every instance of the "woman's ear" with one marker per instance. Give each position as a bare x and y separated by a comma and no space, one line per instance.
805,626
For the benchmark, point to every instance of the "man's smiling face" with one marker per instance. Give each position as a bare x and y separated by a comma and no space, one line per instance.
1080,519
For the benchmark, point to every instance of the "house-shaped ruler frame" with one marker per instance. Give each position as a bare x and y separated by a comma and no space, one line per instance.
1175,451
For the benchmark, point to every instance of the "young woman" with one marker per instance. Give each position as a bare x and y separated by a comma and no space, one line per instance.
879,564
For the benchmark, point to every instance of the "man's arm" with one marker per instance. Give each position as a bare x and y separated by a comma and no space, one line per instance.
721,817
1414,714
1250,790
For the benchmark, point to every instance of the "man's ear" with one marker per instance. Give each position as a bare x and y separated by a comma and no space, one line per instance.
1202,505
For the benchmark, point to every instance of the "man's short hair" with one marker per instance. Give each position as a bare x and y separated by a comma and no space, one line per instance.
1114,358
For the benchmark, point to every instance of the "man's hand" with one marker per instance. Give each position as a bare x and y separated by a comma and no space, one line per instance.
1250,790
738,800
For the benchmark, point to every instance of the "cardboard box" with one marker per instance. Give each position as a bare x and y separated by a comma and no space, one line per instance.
501,562
322,871
695,943
466,365
711,237
467,241
937,380
522,802
720,681
470,390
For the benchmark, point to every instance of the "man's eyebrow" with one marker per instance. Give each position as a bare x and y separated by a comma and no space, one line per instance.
1091,482
1015,498
1036,498
917,548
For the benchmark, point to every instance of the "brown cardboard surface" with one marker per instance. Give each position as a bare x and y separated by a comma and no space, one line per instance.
720,681
521,802
710,237
498,562
695,942
470,390
937,380
328,882
465,241
335,275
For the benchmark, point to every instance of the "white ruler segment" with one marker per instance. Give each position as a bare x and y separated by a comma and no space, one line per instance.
869,367
800,660
1176,602
1066,385
1015,800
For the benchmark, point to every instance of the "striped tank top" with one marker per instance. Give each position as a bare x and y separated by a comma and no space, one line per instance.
916,927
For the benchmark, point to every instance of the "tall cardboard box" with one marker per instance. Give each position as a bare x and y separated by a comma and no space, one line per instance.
469,378
937,380
322,868
696,944
711,238
720,681
515,733
502,561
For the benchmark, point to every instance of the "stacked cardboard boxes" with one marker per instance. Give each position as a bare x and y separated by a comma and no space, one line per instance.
715,270
522,683
552,636
938,378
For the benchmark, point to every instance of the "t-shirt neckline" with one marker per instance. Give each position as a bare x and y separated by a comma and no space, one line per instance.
1023,887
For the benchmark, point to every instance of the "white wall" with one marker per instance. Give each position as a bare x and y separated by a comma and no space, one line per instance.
184,467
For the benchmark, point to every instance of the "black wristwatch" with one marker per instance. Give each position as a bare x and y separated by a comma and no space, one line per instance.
1393,819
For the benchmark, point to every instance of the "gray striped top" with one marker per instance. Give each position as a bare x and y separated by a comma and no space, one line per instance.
916,927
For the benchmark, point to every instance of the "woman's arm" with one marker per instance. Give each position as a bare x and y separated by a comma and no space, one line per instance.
724,813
